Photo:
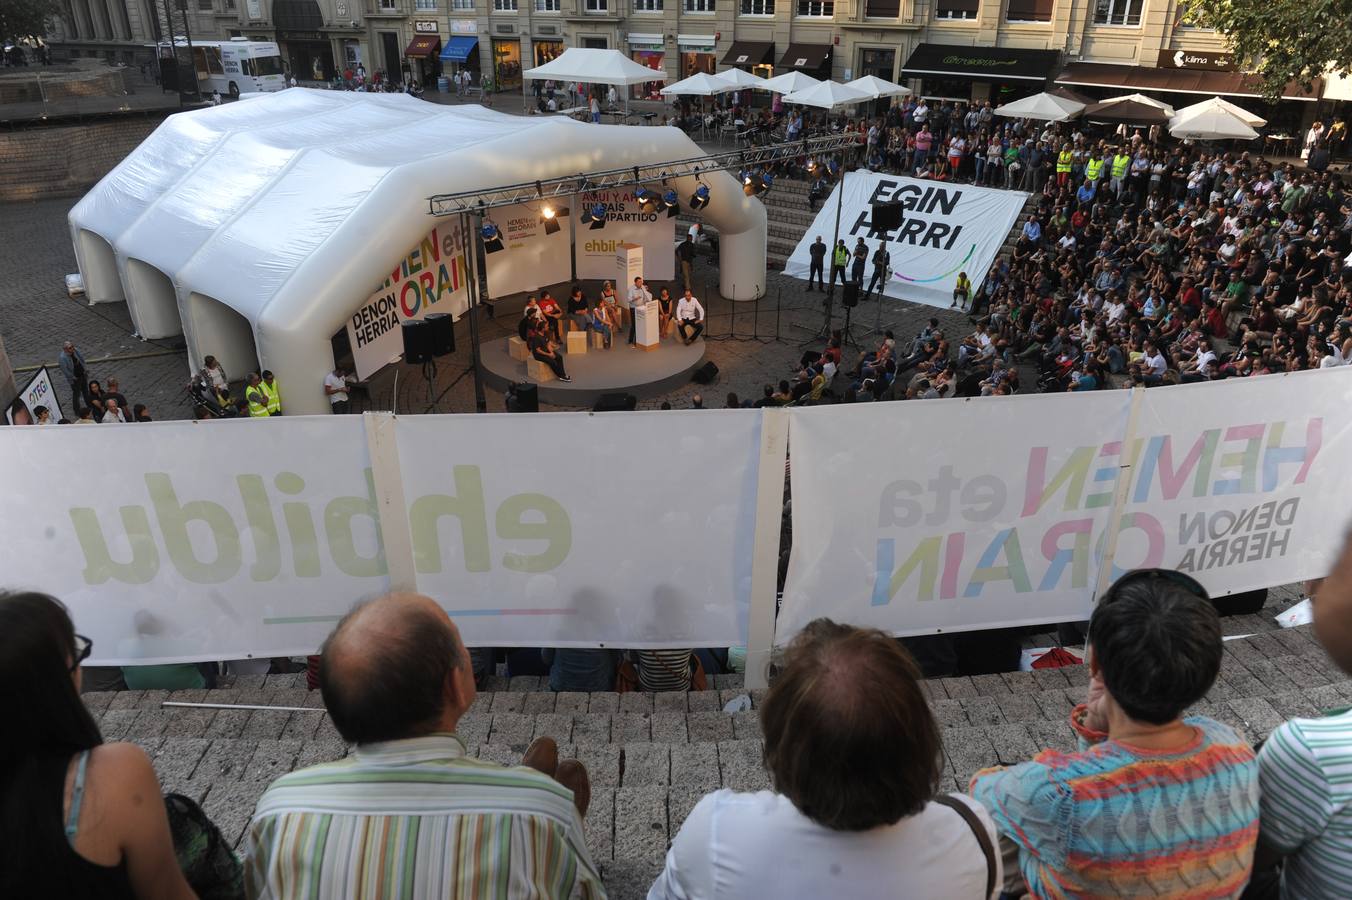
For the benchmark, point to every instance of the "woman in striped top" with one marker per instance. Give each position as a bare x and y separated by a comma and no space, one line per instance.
664,670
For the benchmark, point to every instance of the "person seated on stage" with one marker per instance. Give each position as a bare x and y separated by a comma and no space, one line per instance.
666,310
529,316
599,321
577,309
553,315
546,351
611,301
690,316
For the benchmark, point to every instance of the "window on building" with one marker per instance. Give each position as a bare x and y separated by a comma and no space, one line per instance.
387,5
1029,11
758,7
816,9
955,9
546,6
699,6
1118,12
205,5
229,5
425,4
505,5
1190,17
598,7
647,5
883,9
462,4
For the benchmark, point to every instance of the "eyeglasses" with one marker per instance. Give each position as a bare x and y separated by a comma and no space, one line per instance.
83,647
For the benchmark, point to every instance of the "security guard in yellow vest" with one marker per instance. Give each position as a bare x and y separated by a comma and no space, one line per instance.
840,258
273,391
1064,159
1093,170
1119,172
256,397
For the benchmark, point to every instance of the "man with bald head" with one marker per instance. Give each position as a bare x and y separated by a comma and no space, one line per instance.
409,814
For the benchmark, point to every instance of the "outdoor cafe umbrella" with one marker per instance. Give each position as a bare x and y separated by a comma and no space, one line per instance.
876,87
1240,112
740,78
1143,99
788,83
827,95
1213,123
701,84
1044,107
1129,112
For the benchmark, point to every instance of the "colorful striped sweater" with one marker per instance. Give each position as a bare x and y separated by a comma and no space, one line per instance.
1112,820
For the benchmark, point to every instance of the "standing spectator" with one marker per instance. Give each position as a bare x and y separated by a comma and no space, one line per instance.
256,397
410,810
269,386
71,362
817,251
215,374
112,413
686,254
882,261
832,828
112,392
81,818
139,413
840,258
1084,823
336,384
860,257
595,106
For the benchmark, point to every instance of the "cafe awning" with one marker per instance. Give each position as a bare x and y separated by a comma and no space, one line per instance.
805,56
459,48
983,63
423,45
1177,81
750,53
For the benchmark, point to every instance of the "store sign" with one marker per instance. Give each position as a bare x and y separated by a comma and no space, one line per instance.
464,26
1196,59
425,26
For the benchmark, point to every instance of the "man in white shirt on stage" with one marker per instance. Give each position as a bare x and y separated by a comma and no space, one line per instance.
638,296
690,318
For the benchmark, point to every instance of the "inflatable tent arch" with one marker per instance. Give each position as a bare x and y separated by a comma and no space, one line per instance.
289,209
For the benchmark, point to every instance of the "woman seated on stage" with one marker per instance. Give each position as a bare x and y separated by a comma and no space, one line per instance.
614,312
600,322
666,308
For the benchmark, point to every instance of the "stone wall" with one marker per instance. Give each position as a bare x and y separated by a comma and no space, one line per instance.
66,160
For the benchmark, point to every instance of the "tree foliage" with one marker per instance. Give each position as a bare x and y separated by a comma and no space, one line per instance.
22,18
1281,40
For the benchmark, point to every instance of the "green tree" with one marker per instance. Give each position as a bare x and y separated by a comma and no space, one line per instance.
1281,40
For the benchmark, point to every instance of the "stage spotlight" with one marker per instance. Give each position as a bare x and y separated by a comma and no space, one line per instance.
700,198
647,200
492,238
549,217
672,202
756,183
812,166
594,216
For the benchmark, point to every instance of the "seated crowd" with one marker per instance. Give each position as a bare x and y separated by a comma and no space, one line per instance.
1154,802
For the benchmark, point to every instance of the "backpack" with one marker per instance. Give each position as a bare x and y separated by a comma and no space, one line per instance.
207,862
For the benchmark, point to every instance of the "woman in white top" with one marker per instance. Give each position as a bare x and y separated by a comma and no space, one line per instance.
854,755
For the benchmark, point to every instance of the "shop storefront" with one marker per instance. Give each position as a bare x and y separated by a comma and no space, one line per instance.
647,50
306,50
756,57
880,62
424,53
978,74
507,64
546,50
696,54
461,51
810,59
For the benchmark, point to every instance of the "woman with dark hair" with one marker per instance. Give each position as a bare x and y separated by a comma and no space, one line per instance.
78,818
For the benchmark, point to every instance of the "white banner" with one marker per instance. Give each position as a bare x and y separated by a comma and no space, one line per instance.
374,333
993,512
40,391
531,258
229,539
946,229
625,223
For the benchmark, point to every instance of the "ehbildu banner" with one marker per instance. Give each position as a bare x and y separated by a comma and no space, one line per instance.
625,223
947,516
229,539
946,229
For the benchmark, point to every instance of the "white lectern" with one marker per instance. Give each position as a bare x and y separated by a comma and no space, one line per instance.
647,319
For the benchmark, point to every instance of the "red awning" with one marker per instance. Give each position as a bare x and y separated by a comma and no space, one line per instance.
1178,81
424,45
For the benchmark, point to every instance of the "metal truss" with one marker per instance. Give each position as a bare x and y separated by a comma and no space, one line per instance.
634,176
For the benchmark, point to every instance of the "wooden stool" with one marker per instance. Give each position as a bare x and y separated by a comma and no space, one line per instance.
538,371
598,340
517,349
577,342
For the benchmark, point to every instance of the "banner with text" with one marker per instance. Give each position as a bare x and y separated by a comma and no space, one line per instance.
625,223
945,229
531,256
997,511
39,392
224,540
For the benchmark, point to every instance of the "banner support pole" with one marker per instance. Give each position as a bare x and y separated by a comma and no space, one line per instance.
760,633
1124,472
391,507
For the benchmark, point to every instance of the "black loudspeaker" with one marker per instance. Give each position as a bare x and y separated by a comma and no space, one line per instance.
523,397
850,296
706,373
417,341
443,333
887,216
615,403
1245,603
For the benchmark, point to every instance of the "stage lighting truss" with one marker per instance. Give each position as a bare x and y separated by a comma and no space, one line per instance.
756,159
492,237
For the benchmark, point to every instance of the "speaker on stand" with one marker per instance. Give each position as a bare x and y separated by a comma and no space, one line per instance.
887,218
849,298
424,341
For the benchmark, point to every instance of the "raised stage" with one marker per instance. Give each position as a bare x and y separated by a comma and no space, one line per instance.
621,369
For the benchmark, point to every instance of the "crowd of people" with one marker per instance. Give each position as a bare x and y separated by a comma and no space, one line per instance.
1153,802
92,400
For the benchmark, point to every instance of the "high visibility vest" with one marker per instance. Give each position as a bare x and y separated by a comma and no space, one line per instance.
1063,161
274,395
1093,169
257,410
1120,163
841,257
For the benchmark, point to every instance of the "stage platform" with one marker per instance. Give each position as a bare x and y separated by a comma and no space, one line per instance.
621,369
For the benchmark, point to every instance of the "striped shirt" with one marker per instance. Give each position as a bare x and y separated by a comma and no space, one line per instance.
1305,769
417,818
1112,820
664,670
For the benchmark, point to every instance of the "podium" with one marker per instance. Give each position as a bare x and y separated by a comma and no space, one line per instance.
647,319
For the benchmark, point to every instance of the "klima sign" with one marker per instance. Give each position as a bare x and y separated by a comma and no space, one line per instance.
1196,59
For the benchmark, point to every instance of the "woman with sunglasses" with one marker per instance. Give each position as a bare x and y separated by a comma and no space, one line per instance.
78,818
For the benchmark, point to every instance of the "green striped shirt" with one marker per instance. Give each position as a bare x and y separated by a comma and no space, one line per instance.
1305,771
417,819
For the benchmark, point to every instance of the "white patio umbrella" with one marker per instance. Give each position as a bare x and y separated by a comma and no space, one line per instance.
827,95
1044,107
740,78
1213,123
789,82
1240,112
1142,98
876,87
701,84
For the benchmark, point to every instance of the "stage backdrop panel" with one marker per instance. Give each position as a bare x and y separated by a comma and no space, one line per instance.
625,224
530,259
920,518
946,229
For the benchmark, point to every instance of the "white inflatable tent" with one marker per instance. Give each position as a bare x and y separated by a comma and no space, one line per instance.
257,228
